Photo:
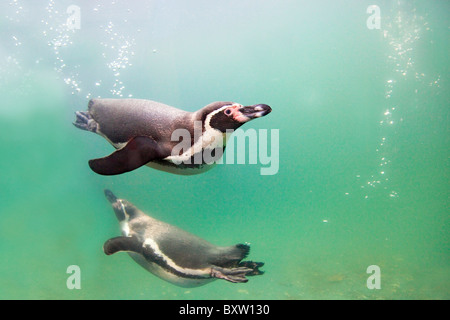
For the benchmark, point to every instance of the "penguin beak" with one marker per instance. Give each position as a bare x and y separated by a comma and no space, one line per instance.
255,111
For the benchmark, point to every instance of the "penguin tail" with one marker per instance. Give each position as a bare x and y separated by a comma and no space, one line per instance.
242,250
231,256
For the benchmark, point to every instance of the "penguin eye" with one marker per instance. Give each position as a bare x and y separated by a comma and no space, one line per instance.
228,112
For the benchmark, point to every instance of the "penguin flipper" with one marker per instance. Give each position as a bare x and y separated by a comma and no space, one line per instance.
118,244
136,153
235,275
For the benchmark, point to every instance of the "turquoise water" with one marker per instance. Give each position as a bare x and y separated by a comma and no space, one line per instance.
362,116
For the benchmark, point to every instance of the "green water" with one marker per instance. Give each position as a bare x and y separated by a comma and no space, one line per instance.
363,153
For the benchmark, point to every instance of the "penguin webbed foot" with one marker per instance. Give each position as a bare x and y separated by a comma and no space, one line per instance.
254,266
136,153
237,275
84,121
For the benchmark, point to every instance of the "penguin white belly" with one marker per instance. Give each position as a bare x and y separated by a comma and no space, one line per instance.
163,274
210,139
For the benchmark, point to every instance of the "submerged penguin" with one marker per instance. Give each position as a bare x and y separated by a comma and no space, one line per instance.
174,254
142,131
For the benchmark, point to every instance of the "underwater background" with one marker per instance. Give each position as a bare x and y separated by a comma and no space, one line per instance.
362,111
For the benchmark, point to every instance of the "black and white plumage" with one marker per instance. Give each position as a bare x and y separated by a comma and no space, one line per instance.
141,131
173,254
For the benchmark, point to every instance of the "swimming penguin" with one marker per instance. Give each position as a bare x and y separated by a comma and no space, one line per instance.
142,131
174,254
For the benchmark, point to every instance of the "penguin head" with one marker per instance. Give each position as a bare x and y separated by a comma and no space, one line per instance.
225,116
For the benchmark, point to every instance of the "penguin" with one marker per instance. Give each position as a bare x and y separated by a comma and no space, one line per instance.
173,254
142,131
